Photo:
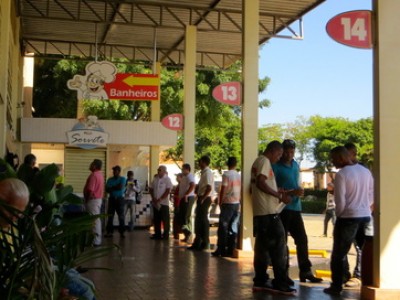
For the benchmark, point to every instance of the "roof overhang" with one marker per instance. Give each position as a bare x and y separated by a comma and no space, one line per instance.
145,30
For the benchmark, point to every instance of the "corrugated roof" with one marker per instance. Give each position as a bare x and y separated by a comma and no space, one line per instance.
132,28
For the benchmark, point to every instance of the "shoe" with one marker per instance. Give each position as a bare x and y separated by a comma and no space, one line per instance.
353,282
204,246
332,291
309,276
289,281
216,253
193,248
269,288
155,237
108,235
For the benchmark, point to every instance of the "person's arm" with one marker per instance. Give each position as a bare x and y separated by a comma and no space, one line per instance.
221,194
206,193
261,183
340,192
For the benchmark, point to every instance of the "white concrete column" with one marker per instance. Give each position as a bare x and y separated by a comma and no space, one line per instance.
189,102
155,117
386,266
249,113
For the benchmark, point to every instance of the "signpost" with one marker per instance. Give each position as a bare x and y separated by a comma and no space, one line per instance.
134,87
173,122
352,28
228,93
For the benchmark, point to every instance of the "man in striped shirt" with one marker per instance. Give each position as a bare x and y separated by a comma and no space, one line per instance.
229,202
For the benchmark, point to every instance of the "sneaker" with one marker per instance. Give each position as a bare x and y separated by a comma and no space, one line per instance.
271,289
332,291
353,282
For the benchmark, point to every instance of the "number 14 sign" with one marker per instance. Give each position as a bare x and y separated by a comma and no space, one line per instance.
352,28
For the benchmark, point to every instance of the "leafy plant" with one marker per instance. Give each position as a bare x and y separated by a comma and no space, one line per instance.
38,249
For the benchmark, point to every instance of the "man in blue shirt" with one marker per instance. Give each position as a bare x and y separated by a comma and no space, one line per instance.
115,187
287,173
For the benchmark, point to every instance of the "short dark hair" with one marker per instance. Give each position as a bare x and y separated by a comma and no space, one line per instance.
350,146
186,166
341,151
232,162
205,159
129,173
29,159
289,144
97,163
272,146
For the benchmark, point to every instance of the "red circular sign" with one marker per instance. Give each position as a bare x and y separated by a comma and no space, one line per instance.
352,28
173,122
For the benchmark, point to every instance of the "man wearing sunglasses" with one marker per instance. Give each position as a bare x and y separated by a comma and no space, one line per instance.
287,174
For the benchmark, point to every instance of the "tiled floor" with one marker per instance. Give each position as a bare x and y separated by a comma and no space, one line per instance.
166,270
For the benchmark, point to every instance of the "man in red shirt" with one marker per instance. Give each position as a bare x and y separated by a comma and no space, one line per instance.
93,194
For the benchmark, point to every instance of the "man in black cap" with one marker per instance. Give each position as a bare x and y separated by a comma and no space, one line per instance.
115,187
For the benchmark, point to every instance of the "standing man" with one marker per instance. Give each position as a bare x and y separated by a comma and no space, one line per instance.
186,194
131,192
287,174
359,242
268,229
229,202
205,190
354,191
115,187
93,193
160,189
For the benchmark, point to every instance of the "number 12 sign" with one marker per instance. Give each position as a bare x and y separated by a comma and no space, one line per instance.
173,122
228,93
352,28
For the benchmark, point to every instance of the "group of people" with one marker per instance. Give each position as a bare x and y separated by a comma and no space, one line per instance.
277,213
123,196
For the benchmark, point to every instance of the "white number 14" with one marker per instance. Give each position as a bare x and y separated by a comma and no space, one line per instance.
357,29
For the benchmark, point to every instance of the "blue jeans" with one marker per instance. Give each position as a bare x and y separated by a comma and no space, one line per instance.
345,232
228,228
270,244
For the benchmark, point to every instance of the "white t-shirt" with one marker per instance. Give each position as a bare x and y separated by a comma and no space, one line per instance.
160,185
185,184
263,203
206,178
354,192
231,180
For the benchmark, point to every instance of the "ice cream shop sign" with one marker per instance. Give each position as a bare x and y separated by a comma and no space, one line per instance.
87,134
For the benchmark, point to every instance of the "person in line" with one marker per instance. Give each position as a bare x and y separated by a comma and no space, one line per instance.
287,174
330,208
176,222
115,187
187,195
229,202
131,191
270,238
160,189
354,280
93,193
354,192
28,170
205,190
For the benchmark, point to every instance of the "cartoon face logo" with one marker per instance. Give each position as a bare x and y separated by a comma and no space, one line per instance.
91,86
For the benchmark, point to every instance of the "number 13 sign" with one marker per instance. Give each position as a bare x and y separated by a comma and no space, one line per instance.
228,93
173,122
352,28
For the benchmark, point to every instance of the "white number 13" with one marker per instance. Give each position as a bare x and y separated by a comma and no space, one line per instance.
229,93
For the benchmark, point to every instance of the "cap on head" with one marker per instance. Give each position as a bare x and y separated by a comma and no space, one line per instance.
116,168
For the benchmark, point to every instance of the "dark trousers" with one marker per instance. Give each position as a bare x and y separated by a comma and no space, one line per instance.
161,216
329,215
345,232
185,212
116,205
228,228
270,245
293,223
202,224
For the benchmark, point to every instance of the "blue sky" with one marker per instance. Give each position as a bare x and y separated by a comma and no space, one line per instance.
317,75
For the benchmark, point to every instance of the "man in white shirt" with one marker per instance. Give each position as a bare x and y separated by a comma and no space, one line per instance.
159,191
205,190
186,195
229,202
354,190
